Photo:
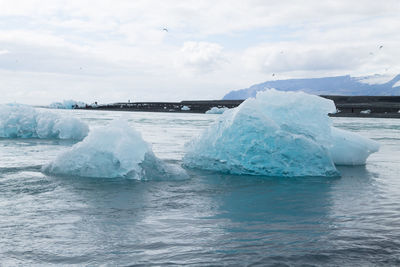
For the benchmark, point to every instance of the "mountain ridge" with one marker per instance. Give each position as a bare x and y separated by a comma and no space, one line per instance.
337,85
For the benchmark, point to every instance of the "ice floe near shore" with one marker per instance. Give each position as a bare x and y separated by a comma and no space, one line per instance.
114,151
216,110
185,108
67,104
23,121
278,134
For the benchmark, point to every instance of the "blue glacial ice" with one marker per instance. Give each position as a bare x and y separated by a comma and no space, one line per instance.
216,110
278,134
113,151
22,121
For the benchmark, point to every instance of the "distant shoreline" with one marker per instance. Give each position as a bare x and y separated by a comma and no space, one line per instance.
347,106
371,115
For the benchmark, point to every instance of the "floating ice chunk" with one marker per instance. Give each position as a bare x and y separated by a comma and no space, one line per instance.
216,110
113,151
367,111
22,121
351,148
67,104
275,134
185,108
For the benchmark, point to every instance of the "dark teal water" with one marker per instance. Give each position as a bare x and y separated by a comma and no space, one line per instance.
207,219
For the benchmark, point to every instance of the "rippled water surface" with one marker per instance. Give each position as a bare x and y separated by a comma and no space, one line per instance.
206,219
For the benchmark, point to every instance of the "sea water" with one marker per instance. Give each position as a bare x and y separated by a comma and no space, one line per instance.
205,218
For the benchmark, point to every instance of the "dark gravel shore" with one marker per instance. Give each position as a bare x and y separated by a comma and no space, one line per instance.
347,106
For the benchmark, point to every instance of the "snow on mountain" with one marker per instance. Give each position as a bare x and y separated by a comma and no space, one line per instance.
397,84
376,79
383,85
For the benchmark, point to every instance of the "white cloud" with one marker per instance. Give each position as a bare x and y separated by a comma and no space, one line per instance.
118,48
310,58
286,57
201,56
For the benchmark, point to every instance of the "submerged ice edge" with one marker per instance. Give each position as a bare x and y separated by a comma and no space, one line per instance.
22,121
151,168
278,134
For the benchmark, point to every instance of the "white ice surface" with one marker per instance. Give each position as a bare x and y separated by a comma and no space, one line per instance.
350,148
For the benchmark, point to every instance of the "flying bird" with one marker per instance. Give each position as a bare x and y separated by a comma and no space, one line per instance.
380,47
165,29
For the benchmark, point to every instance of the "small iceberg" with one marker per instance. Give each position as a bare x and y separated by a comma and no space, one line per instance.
367,111
113,151
278,134
67,104
23,121
216,110
185,108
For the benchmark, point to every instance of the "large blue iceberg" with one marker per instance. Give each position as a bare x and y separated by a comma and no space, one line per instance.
23,121
278,134
113,151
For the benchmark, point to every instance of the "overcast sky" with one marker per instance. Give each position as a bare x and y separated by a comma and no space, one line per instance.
116,50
